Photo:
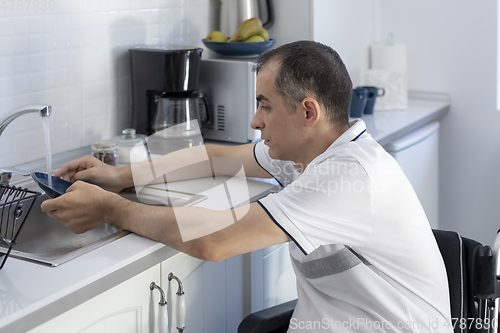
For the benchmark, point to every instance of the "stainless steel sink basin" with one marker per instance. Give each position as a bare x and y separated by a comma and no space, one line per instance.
45,241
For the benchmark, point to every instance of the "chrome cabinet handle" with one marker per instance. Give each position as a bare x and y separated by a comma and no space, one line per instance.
180,313
162,310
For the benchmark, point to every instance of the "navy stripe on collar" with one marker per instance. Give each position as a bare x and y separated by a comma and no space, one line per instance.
256,160
358,135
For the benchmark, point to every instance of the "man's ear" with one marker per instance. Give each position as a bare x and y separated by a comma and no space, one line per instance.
312,111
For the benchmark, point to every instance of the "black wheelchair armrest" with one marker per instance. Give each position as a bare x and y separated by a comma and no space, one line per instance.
273,319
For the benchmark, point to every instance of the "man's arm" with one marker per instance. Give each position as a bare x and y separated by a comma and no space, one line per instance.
254,231
190,163
201,161
242,153
87,206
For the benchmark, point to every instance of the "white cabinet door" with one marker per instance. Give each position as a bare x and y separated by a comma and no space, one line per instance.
189,270
273,279
213,293
129,307
237,282
280,284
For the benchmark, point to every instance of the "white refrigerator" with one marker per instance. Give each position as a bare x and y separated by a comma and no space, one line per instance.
418,155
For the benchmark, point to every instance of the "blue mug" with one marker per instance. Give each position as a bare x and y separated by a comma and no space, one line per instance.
373,93
358,102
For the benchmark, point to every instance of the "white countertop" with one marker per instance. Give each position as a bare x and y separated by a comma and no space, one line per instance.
32,294
387,126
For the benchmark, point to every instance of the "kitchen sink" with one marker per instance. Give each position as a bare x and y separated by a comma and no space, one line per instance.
45,241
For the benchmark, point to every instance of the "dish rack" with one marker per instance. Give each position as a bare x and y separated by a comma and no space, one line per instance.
15,205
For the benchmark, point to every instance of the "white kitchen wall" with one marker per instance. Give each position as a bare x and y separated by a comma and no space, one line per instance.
72,54
292,21
347,27
452,48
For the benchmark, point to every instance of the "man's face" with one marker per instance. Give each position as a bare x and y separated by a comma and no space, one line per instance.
279,129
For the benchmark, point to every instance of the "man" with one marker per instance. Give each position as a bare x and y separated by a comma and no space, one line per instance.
360,244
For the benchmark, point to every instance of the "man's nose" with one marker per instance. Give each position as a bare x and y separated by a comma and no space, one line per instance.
256,122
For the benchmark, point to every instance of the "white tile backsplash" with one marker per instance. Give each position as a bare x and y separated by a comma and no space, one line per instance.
6,66
6,26
6,86
75,57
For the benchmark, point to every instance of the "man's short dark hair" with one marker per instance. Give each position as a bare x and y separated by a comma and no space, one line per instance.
311,69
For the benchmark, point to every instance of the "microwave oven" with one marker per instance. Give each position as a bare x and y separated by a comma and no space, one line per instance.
229,85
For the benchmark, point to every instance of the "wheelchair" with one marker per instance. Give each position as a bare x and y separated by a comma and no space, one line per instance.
473,273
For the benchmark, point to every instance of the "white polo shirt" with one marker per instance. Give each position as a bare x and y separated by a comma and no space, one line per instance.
363,251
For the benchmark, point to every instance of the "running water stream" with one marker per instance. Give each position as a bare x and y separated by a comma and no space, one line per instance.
46,128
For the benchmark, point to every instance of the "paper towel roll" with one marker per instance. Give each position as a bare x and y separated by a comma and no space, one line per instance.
394,81
388,56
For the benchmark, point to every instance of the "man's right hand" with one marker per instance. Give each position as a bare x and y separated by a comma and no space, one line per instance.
91,170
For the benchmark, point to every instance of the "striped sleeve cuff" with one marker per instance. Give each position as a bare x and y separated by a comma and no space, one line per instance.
283,222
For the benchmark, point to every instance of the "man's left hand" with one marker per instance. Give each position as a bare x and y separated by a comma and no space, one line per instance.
81,209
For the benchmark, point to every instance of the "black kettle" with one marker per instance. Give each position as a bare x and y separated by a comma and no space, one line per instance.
234,12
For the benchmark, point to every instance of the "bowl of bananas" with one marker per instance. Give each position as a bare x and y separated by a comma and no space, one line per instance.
250,40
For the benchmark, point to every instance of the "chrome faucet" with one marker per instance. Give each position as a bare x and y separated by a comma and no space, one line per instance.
42,109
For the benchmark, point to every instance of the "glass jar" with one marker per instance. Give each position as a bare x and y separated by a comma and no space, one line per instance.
105,151
131,147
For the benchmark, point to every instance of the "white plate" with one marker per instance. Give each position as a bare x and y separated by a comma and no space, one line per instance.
157,195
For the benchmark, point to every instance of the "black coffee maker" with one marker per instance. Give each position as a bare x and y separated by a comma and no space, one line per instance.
165,89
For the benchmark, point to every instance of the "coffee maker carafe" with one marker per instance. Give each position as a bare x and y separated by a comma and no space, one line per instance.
179,110
165,89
